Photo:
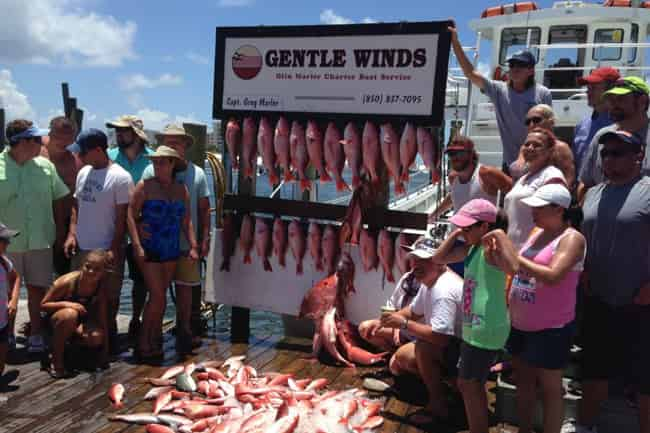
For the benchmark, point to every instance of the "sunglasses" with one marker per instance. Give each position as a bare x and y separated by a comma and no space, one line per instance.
604,153
454,153
535,120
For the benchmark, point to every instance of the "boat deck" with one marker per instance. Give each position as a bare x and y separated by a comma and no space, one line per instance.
34,403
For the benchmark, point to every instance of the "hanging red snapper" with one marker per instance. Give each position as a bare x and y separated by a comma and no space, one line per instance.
314,139
370,151
266,149
368,245
331,248
334,156
315,235
246,237
280,241
386,254
233,141
297,244
263,242
281,147
248,161
352,150
408,150
429,153
299,154
390,155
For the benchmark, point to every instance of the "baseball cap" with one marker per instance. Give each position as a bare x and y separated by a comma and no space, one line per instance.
31,132
629,85
88,140
423,248
624,136
460,144
524,57
553,193
129,121
6,233
598,75
474,211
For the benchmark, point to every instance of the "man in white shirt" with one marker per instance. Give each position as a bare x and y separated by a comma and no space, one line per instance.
434,319
98,218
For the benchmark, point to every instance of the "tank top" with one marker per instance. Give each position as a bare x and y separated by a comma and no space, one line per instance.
486,324
535,306
461,193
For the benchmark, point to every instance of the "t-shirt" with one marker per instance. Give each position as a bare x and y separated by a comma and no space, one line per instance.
196,182
511,108
441,304
4,290
486,324
520,216
584,133
134,168
591,172
616,226
26,195
98,193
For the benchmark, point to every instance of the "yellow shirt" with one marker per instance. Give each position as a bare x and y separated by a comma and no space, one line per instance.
26,195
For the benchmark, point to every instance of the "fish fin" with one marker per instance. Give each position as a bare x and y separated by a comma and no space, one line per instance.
288,176
356,181
273,179
435,176
325,177
247,259
305,184
299,268
405,175
267,265
248,172
282,261
399,188
341,185
389,277
225,266
319,266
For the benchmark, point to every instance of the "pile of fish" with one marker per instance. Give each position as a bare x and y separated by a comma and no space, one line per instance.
323,243
236,399
293,148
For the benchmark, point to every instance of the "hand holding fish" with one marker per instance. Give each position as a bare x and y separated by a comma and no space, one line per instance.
392,320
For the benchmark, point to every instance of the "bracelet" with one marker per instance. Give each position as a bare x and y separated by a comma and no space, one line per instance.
405,324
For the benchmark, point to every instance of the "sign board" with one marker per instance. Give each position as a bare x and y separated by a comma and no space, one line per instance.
358,71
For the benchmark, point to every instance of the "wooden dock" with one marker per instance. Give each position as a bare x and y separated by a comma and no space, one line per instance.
32,402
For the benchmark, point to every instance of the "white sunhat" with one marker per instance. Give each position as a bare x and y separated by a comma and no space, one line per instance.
553,193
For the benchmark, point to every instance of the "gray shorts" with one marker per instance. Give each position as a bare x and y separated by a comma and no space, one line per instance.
35,267
474,363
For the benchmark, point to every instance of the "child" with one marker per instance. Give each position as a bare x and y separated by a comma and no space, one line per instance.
9,287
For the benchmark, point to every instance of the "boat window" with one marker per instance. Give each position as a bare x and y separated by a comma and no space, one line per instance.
608,36
563,62
634,38
514,39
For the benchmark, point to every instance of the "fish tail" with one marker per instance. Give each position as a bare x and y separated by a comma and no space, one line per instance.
405,176
305,184
282,261
288,176
267,265
235,163
325,177
247,258
341,185
273,179
299,268
225,266
435,176
399,188
248,172
319,266
389,276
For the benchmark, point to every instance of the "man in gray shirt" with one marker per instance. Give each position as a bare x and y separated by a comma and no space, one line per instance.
616,323
511,100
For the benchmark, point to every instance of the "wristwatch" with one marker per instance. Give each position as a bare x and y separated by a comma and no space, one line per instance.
404,325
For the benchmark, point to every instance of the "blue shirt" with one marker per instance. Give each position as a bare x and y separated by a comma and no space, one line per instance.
135,168
585,131
196,182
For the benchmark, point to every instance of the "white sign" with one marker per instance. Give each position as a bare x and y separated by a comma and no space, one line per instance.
366,74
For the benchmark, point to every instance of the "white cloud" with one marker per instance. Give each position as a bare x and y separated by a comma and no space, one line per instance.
156,120
483,68
197,58
328,16
60,31
235,3
368,20
140,81
15,103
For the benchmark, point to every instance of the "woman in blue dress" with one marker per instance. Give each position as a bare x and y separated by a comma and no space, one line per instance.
158,211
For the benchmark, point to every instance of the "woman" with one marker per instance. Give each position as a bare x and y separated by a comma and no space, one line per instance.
488,257
542,305
157,212
538,151
77,309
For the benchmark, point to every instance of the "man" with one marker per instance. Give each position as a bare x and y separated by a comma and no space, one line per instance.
98,220
188,276
511,100
435,350
542,116
617,306
469,179
31,201
598,82
62,133
131,154
628,107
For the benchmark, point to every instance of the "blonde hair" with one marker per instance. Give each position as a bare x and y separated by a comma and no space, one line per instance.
546,111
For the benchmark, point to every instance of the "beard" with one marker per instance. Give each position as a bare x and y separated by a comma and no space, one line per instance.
617,115
461,165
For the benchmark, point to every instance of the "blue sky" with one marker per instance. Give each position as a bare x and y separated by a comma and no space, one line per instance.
155,58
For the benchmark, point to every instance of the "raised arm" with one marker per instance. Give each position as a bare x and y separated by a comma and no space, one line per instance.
492,180
570,251
468,69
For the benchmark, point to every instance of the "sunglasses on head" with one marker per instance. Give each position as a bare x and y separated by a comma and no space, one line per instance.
534,119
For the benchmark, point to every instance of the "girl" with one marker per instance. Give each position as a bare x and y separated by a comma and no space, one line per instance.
9,289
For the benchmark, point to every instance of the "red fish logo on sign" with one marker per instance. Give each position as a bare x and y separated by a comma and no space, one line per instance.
247,62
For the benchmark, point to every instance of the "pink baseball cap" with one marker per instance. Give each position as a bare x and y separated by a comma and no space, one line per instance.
474,211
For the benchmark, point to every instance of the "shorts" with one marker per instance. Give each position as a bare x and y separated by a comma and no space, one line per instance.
615,343
548,348
450,357
188,272
474,363
35,267
134,270
4,335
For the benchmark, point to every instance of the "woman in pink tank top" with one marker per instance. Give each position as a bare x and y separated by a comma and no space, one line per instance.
542,305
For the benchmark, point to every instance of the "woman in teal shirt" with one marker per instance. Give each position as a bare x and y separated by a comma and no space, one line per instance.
486,324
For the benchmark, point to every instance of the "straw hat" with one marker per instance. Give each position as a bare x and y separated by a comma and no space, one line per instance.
165,152
173,130
129,121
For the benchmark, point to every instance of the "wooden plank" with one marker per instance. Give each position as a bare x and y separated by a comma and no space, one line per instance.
377,216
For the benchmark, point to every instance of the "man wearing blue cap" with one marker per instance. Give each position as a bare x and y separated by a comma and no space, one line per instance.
31,201
511,100
98,220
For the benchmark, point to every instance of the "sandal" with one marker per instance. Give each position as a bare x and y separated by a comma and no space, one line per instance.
54,374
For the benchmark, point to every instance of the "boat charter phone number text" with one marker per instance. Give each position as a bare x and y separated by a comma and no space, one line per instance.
254,102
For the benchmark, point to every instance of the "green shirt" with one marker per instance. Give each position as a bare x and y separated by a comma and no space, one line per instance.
26,195
135,168
486,323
